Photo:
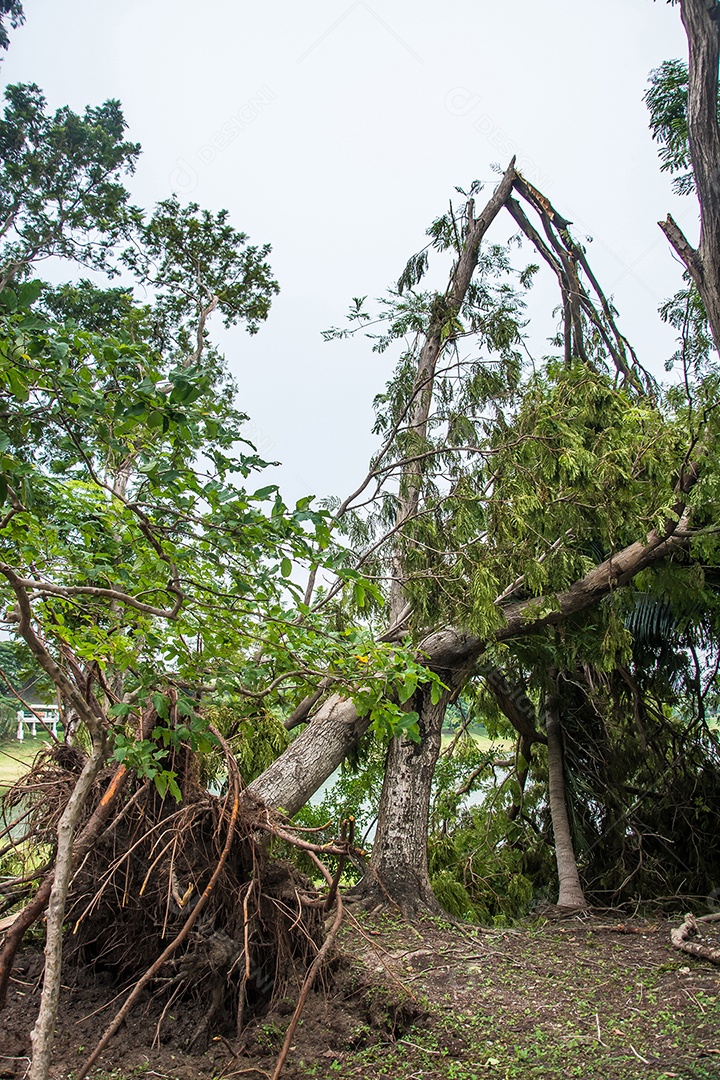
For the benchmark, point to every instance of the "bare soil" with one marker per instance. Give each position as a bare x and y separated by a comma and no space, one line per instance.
592,997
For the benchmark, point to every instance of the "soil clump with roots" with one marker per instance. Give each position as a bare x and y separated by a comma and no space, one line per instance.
259,923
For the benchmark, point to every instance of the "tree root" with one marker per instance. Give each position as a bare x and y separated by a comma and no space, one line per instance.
192,885
314,967
234,797
682,938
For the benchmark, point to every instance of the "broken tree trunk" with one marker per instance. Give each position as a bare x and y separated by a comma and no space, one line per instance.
336,727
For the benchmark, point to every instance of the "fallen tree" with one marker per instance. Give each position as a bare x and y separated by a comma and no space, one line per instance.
470,537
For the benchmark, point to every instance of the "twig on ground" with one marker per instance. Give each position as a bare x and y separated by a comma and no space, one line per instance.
682,938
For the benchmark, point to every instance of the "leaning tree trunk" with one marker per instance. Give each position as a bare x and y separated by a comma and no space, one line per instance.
336,727
571,893
317,752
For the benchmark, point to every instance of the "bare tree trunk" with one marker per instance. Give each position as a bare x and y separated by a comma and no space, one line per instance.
317,752
436,340
571,894
701,19
43,1033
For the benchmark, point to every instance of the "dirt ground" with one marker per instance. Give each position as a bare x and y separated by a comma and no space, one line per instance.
589,997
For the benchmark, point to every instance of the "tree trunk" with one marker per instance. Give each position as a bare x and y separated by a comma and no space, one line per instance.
571,893
317,752
398,869
701,19
44,1031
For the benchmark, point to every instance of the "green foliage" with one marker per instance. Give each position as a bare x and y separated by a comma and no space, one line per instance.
12,10
487,872
256,740
174,243
61,190
667,101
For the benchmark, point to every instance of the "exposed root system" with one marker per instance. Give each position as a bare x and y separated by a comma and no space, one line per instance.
184,896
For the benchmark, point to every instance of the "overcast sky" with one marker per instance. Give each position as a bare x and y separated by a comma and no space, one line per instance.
337,131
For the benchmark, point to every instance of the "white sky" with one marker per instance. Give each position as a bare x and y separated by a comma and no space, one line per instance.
365,117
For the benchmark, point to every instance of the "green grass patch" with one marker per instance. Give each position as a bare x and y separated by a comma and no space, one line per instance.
16,758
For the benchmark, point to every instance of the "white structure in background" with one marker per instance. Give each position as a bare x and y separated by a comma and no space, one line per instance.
49,714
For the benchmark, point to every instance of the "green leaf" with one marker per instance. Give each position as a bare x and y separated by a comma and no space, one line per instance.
8,300
407,688
121,708
18,384
264,492
29,293
161,704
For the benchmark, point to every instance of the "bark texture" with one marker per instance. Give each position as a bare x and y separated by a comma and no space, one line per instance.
314,756
571,893
398,870
44,1030
701,19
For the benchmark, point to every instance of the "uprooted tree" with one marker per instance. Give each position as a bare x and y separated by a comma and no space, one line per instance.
522,535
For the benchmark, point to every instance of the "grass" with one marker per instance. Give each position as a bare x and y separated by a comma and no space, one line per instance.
547,1003
483,742
16,758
